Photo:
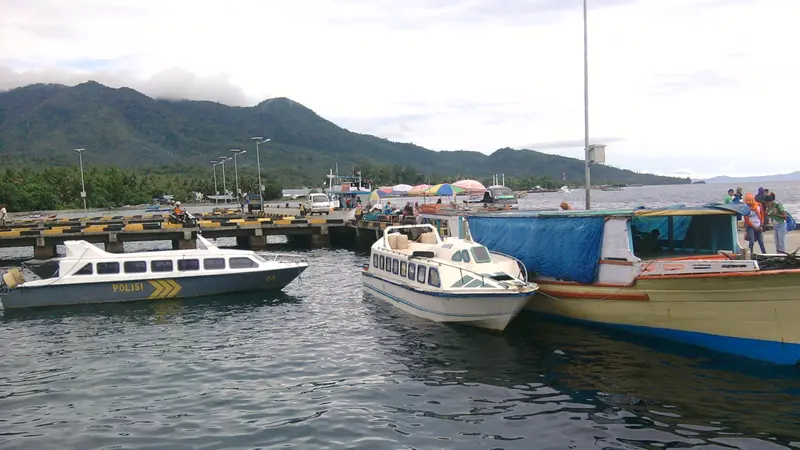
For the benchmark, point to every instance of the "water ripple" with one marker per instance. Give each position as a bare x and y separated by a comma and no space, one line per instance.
323,365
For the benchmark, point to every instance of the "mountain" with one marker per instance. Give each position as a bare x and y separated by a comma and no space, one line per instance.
40,124
794,176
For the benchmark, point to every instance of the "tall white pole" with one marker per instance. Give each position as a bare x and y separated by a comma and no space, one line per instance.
224,187
80,151
258,140
236,175
587,168
216,192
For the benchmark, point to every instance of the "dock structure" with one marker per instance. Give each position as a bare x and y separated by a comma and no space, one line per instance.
114,231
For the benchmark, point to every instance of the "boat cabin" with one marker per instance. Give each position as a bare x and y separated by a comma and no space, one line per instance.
84,260
417,254
605,245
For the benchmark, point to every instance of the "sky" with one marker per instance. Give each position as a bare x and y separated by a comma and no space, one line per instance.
677,87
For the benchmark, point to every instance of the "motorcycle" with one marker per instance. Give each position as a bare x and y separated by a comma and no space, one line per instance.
186,219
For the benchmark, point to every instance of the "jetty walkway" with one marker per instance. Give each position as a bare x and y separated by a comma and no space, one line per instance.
112,231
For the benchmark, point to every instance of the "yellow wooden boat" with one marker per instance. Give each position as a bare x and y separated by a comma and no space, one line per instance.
677,273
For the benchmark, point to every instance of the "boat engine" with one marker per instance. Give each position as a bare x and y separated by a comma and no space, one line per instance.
12,278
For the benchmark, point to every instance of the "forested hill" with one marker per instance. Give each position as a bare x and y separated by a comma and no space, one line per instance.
41,123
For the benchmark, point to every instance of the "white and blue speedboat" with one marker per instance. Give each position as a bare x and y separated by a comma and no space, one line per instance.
452,280
87,274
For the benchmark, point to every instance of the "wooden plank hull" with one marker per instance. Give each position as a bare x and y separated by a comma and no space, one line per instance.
755,315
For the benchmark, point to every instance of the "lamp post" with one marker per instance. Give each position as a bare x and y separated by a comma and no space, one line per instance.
260,140
80,151
222,160
216,192
236,152
587,162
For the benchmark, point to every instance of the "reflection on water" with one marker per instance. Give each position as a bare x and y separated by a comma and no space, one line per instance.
324,365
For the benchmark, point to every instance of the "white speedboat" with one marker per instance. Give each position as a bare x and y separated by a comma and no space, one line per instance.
455,280
88,274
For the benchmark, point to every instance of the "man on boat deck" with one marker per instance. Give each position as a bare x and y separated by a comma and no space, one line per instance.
729,197
753,223
777,213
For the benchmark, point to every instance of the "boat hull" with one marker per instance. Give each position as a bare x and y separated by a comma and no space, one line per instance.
754,315
492,312
150,288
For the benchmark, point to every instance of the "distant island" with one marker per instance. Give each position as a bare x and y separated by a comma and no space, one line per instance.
794,176
41,123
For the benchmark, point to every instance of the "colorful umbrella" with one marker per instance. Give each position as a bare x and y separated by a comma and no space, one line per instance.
401,188
418,190
378,194
471,186
444,189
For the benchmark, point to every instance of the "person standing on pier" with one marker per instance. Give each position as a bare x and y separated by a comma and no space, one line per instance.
754,223
3,216
777,213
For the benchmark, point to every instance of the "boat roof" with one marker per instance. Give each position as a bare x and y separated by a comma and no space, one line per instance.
85,250
640,211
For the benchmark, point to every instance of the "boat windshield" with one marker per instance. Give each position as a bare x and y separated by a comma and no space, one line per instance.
259,257
481,254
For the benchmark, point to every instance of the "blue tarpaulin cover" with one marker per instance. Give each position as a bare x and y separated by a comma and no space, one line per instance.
566,248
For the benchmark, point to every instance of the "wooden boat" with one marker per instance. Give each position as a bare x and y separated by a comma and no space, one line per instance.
452,280
88,274
674,272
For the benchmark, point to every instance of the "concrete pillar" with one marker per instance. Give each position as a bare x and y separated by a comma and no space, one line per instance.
44,251
184,244
114,245
321,240
257,242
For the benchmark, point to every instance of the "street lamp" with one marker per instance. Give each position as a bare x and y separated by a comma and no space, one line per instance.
80,151
222,160
260,140
587,160
236,152
216,192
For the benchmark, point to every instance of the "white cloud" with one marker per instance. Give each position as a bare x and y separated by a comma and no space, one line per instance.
680,85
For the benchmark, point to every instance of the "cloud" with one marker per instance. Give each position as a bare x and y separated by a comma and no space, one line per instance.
699,85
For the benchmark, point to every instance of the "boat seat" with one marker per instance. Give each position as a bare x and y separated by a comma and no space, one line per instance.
401,242
428,238
392,240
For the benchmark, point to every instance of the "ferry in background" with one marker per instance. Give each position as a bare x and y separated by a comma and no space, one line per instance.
341,188
675,273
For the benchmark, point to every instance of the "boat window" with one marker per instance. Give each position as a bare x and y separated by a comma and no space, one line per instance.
241,262
456,257
161,266
375,261
481,254
214,263
106,268
465,255
382,262
395,266
403,267
433,277
188,264
85,270
463,281
135,266
421,273
474,283
412,271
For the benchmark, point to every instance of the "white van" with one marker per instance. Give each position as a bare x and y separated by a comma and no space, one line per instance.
318,203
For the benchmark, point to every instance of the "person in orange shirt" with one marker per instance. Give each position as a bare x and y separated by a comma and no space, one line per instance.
754,223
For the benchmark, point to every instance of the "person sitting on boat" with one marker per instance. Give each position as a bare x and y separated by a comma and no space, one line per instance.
753,223
387,209
565,206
